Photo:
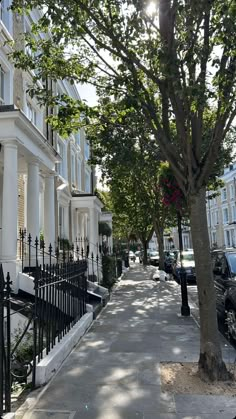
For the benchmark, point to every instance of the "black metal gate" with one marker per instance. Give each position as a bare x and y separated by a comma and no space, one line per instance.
5,343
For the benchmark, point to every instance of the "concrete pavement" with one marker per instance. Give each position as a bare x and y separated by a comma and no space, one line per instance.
114,373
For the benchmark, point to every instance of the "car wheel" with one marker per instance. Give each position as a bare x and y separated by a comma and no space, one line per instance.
231,323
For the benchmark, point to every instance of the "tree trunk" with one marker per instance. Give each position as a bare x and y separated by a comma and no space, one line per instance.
145,245
160,240
211,365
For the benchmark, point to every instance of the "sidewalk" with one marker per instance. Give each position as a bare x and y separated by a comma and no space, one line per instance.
114,373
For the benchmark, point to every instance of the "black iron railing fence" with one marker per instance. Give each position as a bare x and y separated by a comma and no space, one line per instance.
5,343
60,301
33,252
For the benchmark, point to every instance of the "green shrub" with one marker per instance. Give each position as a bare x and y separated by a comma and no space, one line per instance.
109,271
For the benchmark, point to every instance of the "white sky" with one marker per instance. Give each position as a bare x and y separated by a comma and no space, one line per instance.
88,93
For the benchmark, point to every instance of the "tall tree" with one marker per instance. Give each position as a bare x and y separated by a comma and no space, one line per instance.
177,63
126,154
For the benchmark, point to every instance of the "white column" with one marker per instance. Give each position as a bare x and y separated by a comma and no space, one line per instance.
93,230
79,230
76,223
33,200
66,222
49,213
41,205
64,161
9,212
9,202
85,230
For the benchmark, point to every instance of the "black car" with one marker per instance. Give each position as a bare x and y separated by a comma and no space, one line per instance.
224,272
188,264
170,258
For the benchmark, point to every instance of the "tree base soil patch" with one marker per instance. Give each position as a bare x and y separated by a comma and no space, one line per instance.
183,378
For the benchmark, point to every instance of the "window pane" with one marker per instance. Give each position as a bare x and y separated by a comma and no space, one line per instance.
2,76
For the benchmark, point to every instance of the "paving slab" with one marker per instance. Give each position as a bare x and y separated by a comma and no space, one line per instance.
195,405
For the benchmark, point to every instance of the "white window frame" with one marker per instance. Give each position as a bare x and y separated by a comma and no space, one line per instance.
227,238
212,218
214,237
31,112
86,150
224,211
73,176
79,174
6,15
233,212
60,151
223,194
77,138
7,69
87,182
232,191
232,236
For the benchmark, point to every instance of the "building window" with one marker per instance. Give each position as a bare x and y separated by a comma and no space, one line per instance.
6,14
223,194
231,191
227,238
31,113
214,238
1,9
225,215
233,213
79,175
86,151
60,152
212,218
2,85
87,183
73,169
216,217
77,138
233,238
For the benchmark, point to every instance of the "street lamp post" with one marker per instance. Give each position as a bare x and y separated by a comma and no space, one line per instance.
185,310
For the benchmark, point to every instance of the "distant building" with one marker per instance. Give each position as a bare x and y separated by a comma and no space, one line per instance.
221,211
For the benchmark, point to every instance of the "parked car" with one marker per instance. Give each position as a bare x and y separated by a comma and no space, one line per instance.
170,259
188,263
132,256
153,258
141,255
224,273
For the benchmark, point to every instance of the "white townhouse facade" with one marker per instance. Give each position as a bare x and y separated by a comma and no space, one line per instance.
221,211
46,183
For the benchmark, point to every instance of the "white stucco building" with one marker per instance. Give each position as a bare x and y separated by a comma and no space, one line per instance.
46,183
221,211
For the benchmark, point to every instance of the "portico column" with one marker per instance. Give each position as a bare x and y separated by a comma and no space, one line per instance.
33,200
66,222
9,203
75,227
93,230
49,213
